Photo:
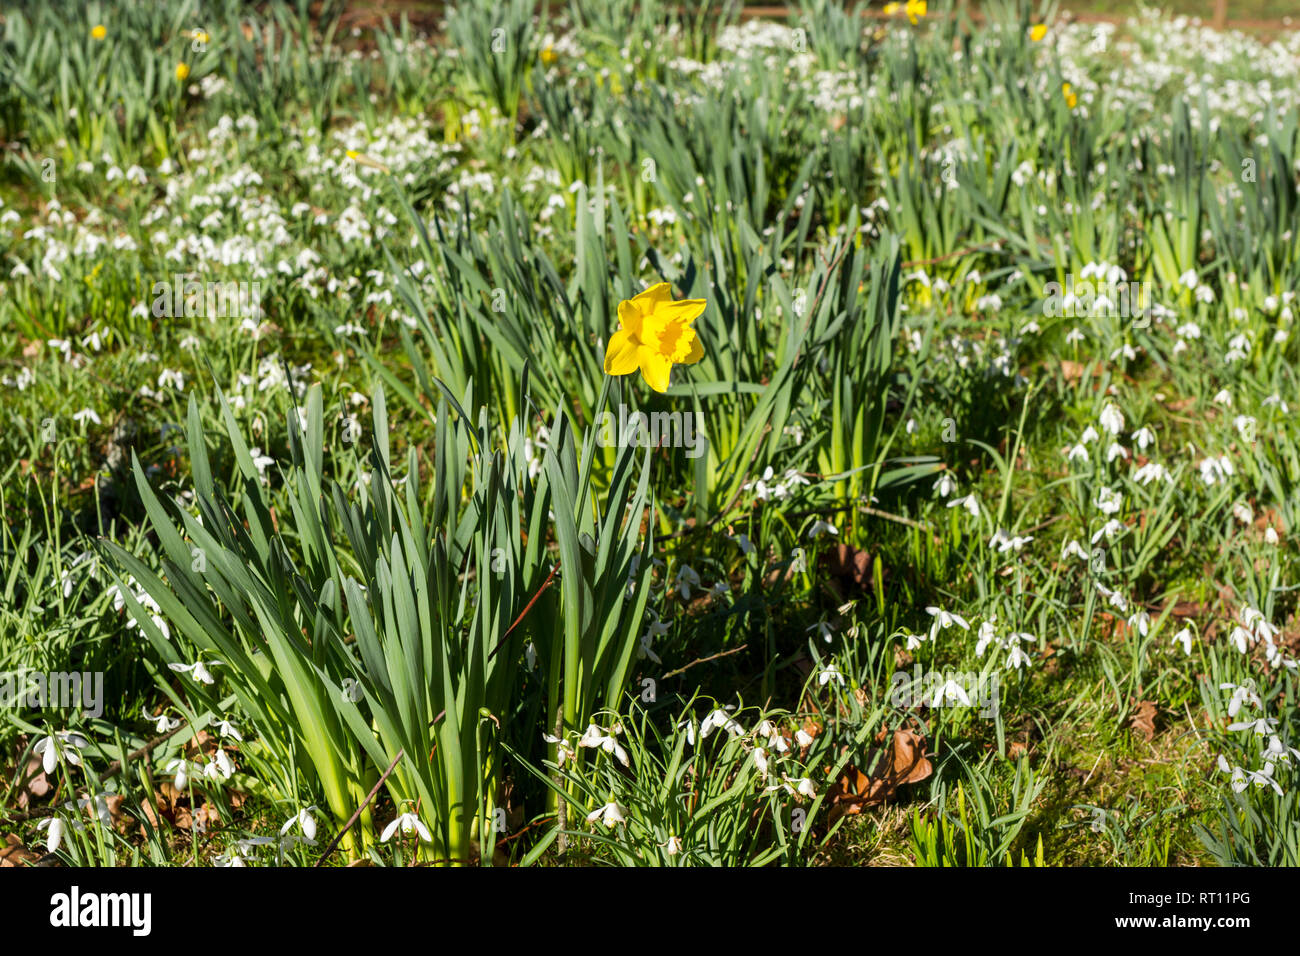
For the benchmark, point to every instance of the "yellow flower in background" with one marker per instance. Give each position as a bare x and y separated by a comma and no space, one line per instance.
655,335
891,9
549,56
182,70
99,31
915,9
1037,31
1071,100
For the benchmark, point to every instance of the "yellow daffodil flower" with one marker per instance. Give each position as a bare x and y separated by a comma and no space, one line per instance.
915,9
549,56
891,9
1071,99
182,70
99,31
655,335
1037,31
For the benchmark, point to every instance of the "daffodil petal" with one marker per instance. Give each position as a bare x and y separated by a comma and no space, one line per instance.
621,354
696,353
655,368
658,293
686,311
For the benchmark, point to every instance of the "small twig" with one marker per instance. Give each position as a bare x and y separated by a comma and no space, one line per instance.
889,516
704,660
357,813
912,263
528,607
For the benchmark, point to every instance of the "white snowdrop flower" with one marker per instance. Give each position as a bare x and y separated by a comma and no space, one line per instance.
1216,470
1074,335
820,528
1277,751
1223,397
1240,638
970,503
564,752
944,620
1242,513
407,823
1109,530
1184,637
1152,471
1241,694
173,378
181,767
945,484
162,723
219,767
830,673
1078,453
352,690
685,579
1270,535
1109,501
1116,450
1239,781
611,814
1111,419
1140,622
1072,547
1113,598
949,692
596,737
1143,437
1260,726
55,827
1017,658
260,462
1188,279
720,719
803,738
86,415
1245,425
63,743
197,670
1089,435
305,822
